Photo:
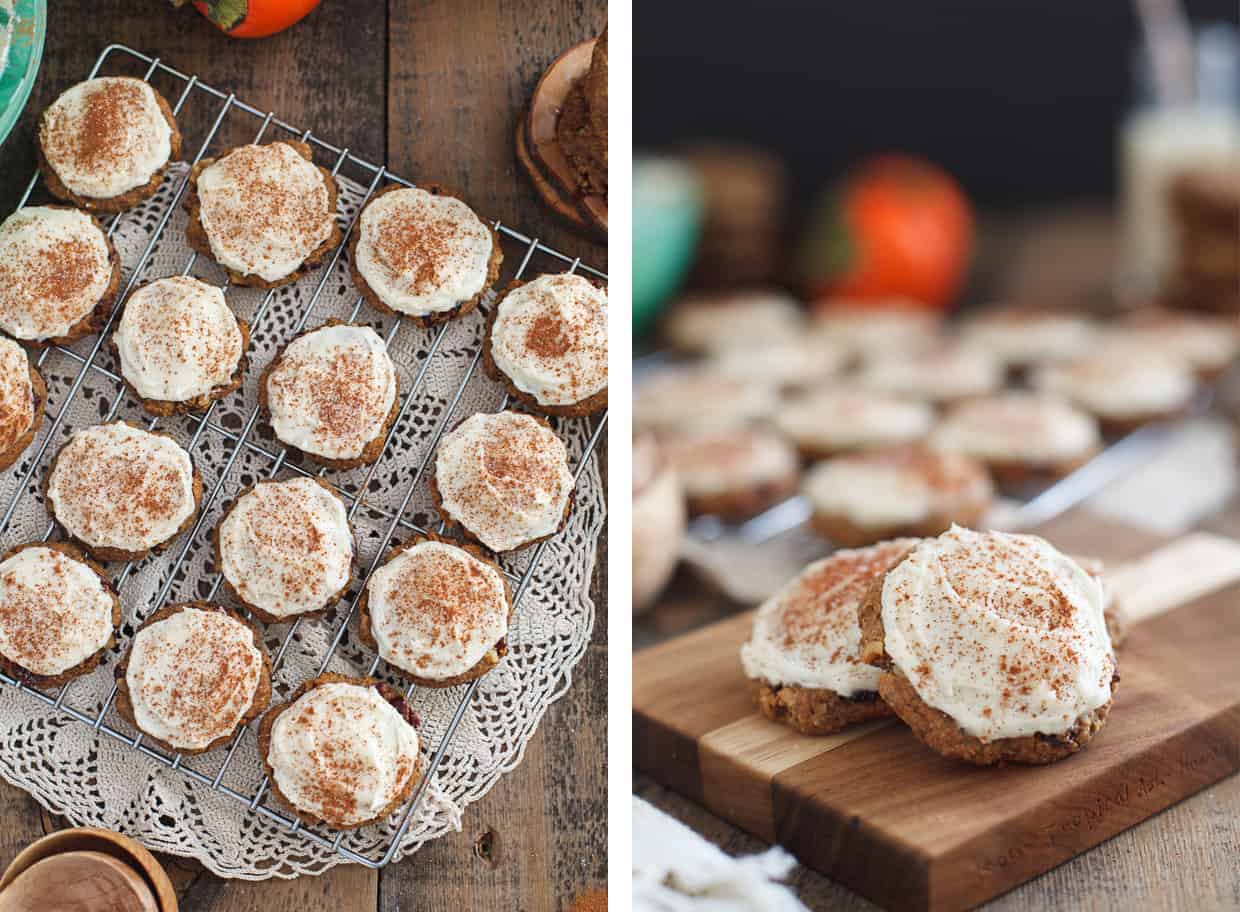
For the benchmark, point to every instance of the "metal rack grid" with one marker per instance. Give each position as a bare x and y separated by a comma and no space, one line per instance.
229,103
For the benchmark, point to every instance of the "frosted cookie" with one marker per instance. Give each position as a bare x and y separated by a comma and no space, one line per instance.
861,498
1020,436
1019,336
23,398
659,518
58,613
123,492
422,253
332,394
1124,386
547,343
680,400
994,647
705,322
1208,344
864,330
179,345
194,674
343,751
265,213
105,143
437,612
733,474
803,652
503,478
795,363
843,419
285,549
940,374
58,275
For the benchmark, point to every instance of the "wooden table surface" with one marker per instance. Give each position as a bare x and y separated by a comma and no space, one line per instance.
1183,858
435,87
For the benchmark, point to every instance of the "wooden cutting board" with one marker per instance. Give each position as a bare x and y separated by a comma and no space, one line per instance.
874,809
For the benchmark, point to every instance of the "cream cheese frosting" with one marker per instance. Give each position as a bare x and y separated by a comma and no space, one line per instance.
436,610
1001,632
550,339
422,253
505,478
264,209
706,323
937,374
192,676
1207,343
1018,337
846,418
106,136
118,486
896,487
55,611
54,268
178,339
682,399
331,391
727,461
807,635
1122,381
795,362
16,393
1024,428
870,329
286,547
342,753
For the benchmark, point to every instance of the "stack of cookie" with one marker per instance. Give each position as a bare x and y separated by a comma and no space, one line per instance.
991,647
1205,204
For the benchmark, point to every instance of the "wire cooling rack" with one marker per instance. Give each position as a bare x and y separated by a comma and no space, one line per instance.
230,109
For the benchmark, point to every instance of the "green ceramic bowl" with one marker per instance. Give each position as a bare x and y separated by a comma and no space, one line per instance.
667,215
23,24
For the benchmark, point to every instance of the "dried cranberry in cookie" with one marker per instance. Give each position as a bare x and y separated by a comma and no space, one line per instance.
56,267
438,612
422,252
549,340
107,136
178,340
119,489
193,675
286,548
504,478
56,610
331,392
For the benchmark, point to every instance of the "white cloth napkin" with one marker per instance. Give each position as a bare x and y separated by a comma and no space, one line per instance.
676,870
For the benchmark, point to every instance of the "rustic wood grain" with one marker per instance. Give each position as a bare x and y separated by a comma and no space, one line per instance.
1166,669
459,74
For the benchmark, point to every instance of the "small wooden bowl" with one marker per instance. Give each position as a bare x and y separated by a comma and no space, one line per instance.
91,839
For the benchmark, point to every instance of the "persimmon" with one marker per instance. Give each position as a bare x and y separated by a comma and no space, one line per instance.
253,18
895,228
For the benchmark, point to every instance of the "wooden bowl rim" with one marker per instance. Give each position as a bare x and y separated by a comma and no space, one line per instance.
93,839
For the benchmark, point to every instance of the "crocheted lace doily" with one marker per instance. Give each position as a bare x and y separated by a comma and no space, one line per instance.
95,780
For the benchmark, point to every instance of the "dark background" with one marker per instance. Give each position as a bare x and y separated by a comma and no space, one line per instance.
1020,99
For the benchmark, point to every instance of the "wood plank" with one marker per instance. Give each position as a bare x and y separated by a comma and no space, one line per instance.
327,73
846,811
459,76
